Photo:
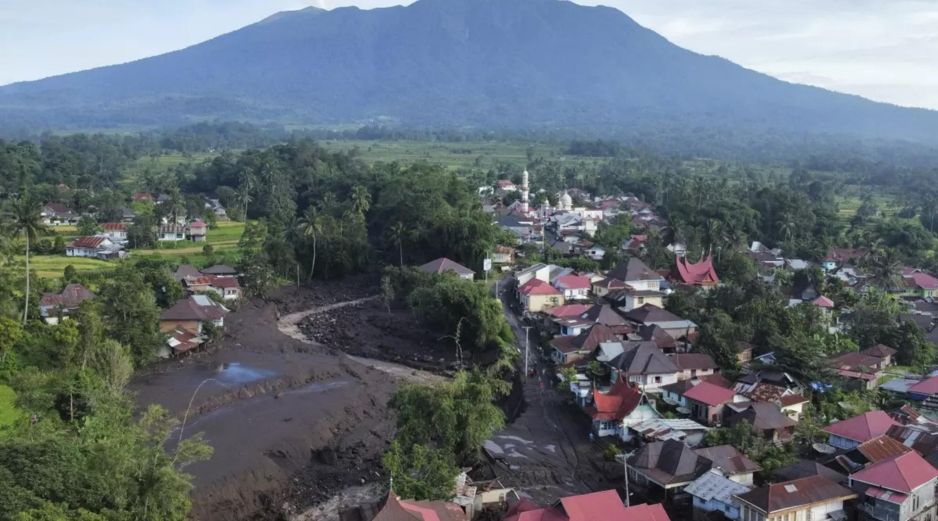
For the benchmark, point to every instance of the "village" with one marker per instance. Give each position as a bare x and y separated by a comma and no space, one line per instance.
658,404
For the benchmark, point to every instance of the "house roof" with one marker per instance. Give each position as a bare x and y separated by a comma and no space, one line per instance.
525,510
224,282
649,313
823,302
669,461
903,473
181,341
658,335
444,265
114,227
926,386
714,485
879,351
568,310
863,427
89,242
633,270
537,287
845,254
70,298
696,274
880,448
682,386
804,468
795,493
610,283
220,269
762,416
572,282
687,361
729,459
607,506
398,510
643,358
196,307
792,399
603,314
186,271
586,341
709,394
59,208
618,403
922,280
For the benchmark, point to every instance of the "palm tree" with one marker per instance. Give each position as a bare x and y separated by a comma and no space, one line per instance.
25,219
786,226
310,228
244,194
397,233
361,199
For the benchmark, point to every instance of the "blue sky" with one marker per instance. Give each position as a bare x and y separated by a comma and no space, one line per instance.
881,49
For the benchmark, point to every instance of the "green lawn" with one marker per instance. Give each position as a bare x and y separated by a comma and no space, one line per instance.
224,238
9,414
452,155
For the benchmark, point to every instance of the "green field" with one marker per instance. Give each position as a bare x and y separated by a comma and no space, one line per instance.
451,155
160,163
9,414
224,238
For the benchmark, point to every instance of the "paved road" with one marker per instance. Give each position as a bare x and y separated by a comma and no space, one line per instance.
545,453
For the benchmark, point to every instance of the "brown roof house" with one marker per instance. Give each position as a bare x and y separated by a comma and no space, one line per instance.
693,365
765,417
649,315
664,468
191,313
53,306
642,363
731,462
813,498
567,350
443,265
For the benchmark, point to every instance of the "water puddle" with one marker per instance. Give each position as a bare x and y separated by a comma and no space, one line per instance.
236,373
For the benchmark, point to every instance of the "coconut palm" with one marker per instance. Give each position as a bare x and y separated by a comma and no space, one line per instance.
361,199
25,218
244,194
396,234
310,228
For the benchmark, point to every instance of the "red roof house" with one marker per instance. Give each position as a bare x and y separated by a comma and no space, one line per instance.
700,274
823,302
525,510
618,403
569,310
849,433
607,506
926,387
537,287
710,394
901,474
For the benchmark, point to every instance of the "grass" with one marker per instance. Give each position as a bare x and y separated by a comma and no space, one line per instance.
9,414
224,239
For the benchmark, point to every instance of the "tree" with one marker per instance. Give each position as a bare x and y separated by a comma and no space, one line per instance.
132,316
10,334
361,200
396,233
310,227
87,226
25,219
421,472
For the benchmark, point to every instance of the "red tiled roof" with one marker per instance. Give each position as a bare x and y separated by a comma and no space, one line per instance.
882,447
792,399
923,280
823,302
795,493
573,282
537,287
444,265
618,403
926,386
710,394
607,506
903,473
225,282
113,227
697,274
88,242
142,196
863,427
525,510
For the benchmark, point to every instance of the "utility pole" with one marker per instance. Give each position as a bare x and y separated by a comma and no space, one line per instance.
527,331
625,465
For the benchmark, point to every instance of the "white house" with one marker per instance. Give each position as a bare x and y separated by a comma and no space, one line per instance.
97,247
713,492
574,287
117,232
624,406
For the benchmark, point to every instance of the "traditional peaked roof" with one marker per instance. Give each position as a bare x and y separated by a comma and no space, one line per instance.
903,473
444,265
572,282
89,242
700,274
668,462
795,493
823,302
863,427
633,270
618,403
70,298
537,287
729,459
710,394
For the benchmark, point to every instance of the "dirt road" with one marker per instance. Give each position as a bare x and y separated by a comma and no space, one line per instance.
545,453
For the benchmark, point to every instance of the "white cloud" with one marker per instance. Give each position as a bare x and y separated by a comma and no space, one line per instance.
882,49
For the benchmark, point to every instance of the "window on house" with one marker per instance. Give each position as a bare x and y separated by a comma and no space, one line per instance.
641,300
657,379
916,503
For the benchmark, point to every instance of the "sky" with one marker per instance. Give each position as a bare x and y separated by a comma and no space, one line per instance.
886,50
